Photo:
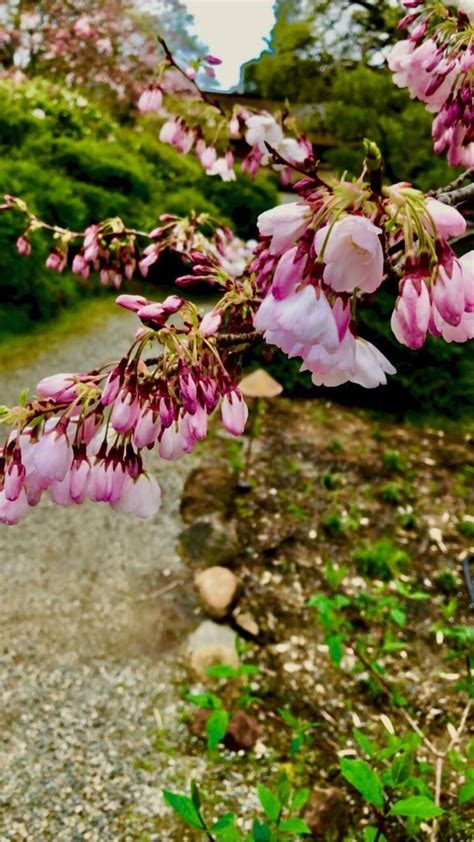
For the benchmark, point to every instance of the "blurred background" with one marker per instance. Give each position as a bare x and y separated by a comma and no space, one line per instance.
75,148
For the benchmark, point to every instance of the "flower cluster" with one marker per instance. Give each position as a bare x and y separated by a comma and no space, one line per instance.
113,252
67,39
83,436
437,299
320,255
204,116
436,64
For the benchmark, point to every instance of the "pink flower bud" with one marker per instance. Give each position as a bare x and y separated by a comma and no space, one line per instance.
58,387
411,316
289,272
14,479
80,266
12,511
80,479
23,245
125,411
448,294
53,457
141,496
447,221
147,428
210,323
234,412
56,261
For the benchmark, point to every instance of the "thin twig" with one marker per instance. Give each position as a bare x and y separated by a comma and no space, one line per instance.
202,94
161,592
440,762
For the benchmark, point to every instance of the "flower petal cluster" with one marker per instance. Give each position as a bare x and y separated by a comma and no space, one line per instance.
94,428
436,64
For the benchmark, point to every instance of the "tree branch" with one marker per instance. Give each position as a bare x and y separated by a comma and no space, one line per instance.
457,197
202,94
453,185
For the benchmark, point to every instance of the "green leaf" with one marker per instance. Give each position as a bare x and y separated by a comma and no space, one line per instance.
367,746
294,826
417,806
224,822
209,701
296,744
401,767
364,779
370,834
184,807
288,718
216,727
261,832
399,617
284,790
225,829
23,397
195,795
269,802
336,649
300,798
466,793
222,671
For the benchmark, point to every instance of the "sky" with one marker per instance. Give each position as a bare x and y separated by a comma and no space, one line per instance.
233,30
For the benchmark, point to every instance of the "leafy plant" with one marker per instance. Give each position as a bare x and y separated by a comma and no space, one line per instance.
280,821
382,560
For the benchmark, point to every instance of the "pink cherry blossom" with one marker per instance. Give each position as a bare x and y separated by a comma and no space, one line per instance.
79,480
210,323
372,366
448,293
52,457
284,224
23,246
447,221
467,265
12,511
411,316
125,411
58,387
147,428
352,253
234,412
140,496
288,273
14,478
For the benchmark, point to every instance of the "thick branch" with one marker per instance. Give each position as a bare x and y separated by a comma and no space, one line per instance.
457,197
453,185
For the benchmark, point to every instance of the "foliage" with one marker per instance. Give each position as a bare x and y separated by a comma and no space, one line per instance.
73,164
329,56
280,807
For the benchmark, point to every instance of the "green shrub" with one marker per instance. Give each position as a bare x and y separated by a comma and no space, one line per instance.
382,560
74,165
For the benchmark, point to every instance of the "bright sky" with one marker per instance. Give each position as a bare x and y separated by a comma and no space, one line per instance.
233,30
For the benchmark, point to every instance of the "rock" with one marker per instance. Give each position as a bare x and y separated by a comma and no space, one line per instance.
243,732
247,623
327,814
218,590
209,539
212,644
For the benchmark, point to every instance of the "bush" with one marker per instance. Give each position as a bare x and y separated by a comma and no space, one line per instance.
74,165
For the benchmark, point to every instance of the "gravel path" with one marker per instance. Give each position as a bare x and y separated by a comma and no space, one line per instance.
87,650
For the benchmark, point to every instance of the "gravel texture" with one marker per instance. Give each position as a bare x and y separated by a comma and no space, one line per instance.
93,611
